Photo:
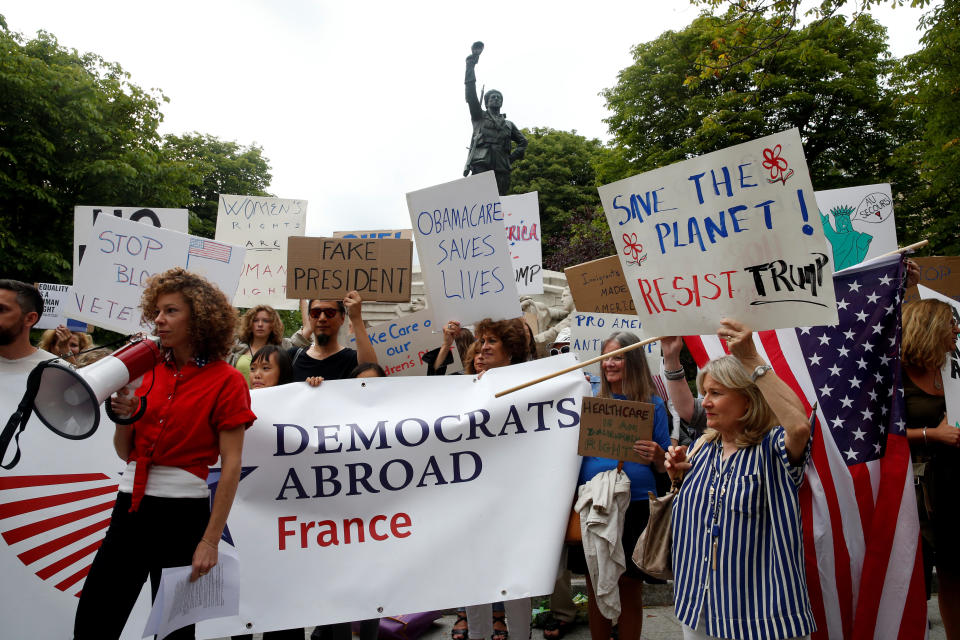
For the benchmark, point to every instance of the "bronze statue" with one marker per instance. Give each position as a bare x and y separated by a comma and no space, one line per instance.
493,134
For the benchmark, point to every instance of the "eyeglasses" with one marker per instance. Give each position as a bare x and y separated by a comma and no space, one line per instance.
556,352
316,312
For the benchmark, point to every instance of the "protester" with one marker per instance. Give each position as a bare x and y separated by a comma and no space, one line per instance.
929,336
453,336
625,377
327,360
259,326
693,419
21,306
737,543
197,407
368,370
500,343
270,367
65,343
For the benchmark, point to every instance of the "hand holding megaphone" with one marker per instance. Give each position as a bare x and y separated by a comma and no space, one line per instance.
124,403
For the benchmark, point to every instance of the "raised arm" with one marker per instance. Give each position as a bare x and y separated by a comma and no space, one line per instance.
677,387
782,400
470,84
354,305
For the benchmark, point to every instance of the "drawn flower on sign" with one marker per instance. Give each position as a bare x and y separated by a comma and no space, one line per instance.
632,248
777,166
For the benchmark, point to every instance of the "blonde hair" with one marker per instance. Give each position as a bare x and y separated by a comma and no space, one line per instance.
245,325
759,417
49,339
926,326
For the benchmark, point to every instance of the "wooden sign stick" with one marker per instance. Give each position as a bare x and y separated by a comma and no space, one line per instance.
911,247
629,347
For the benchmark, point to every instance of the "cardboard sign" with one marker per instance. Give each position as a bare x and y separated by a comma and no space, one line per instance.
521,217
55,297
377,234
733,233
122,255
608,428
858,223
588,332
950,372
330,268
940,273
400,344
84,217
261,225
598,286
463,250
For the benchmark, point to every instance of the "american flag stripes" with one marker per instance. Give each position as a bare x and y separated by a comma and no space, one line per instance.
203,248
861,533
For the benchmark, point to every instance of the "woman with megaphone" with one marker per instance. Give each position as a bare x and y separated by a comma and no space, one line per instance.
196,409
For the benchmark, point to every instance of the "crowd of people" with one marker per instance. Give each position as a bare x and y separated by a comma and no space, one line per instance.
739,460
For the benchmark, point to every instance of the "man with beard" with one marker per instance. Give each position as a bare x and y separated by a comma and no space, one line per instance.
326,358
21,306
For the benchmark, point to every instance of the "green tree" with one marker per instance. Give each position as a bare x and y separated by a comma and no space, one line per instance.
73,130
827,79
565,169
221,167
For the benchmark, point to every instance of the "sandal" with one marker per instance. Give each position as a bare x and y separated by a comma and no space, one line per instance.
555,629
462,632
500,634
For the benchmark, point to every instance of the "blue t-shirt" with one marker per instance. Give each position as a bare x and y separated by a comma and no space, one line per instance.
641,476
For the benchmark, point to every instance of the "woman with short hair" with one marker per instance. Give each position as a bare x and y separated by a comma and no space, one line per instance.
65,343
197,408
737,540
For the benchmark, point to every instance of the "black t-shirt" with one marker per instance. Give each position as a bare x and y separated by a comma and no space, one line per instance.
335,367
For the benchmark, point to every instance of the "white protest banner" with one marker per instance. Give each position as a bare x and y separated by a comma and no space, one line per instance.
400,344
122,255
950,372
381,506
85,216
858,223
462,244
55,506
55,297
261,225
521,216
732,233
588,332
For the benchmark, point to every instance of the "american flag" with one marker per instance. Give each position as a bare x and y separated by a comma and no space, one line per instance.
203,248
861,534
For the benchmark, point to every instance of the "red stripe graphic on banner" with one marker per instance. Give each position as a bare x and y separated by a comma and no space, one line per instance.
19,482
45,549
19,534
32,504
65,562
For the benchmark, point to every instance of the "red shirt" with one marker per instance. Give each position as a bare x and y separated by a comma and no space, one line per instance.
186,411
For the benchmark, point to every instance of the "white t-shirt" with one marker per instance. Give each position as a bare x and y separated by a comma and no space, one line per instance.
13,382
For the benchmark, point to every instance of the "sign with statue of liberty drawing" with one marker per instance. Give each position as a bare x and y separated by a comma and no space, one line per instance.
858,223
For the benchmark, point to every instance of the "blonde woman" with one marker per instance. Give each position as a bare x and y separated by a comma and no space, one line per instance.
259,326
737,539
65,343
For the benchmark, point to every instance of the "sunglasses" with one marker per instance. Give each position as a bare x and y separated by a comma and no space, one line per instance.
556,352
316,312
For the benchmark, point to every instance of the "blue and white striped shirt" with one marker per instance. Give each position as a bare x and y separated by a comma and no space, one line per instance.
758,590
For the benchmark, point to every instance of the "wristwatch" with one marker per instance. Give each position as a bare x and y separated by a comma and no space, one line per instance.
759,371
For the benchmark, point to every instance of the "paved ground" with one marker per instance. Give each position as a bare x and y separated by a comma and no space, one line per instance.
659,624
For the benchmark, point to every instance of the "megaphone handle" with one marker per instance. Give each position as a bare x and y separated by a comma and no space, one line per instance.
116,418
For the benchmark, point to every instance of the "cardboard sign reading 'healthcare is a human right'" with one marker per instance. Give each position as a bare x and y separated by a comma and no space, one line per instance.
608,428
329,268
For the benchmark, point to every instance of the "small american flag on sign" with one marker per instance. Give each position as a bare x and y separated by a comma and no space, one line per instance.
203,248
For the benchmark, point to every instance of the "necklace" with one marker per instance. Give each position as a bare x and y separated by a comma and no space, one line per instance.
718,489
937,380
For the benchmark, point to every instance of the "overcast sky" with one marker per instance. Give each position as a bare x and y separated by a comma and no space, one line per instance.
356,103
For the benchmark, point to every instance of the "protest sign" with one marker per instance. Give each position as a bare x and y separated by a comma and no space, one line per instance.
121,257
463,250
940,273
261,225
598,286
396,480
85,216
733,233
376,234
54,298
55,506
400,344
950,372
330,268
609,427
858,223
588,332
521,217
